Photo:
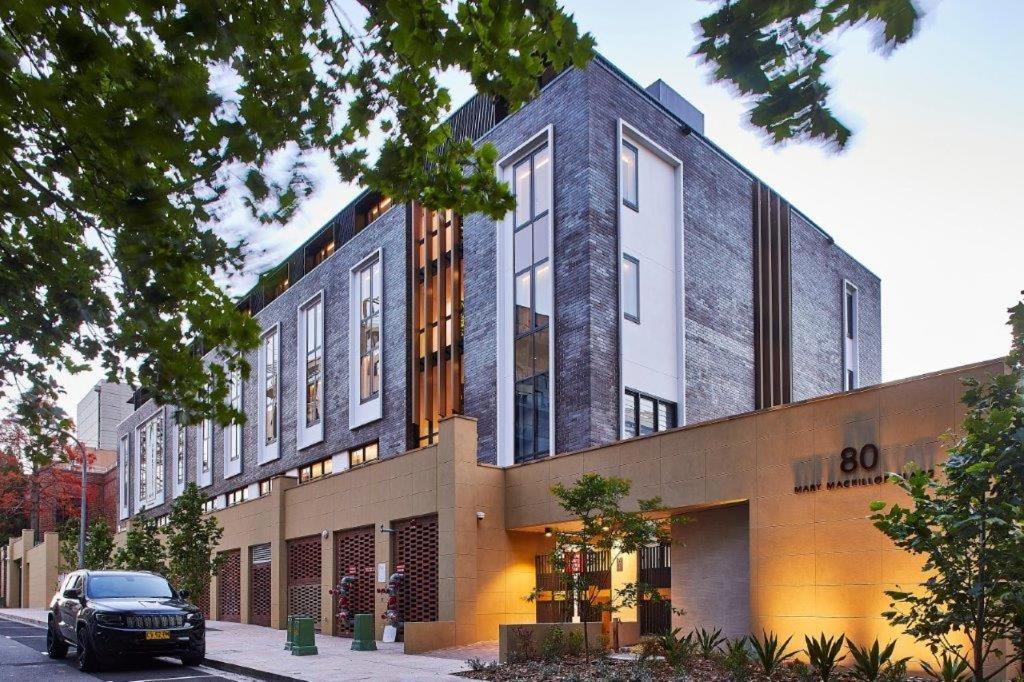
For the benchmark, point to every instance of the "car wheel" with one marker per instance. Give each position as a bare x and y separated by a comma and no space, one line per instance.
87,661
56,647
193,659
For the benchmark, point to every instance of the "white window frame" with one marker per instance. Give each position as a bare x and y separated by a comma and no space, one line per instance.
851,346
180,458
359,412
124,477
154,496
506,302
232,433
268,452
205,448
306,436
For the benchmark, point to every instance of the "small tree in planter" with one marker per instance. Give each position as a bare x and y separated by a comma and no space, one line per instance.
142,550
969,528
192,538
594,503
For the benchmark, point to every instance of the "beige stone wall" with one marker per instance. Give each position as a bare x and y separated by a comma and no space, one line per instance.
39,573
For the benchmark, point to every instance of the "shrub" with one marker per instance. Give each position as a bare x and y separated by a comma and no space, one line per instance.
770,654
709,641
950,669
574,643
874,663
678,651
737,659
478,665
553,646
522,645
824,654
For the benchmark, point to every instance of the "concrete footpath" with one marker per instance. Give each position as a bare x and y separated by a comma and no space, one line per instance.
258,652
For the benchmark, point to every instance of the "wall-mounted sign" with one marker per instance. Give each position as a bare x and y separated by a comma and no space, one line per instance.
856,468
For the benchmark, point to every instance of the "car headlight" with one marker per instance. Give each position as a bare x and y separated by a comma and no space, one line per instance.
109,619
195,617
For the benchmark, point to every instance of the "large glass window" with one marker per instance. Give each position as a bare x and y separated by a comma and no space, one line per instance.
531,257
312,316
362,454
631,288
270,386
629,169
125,478
644,414
369,280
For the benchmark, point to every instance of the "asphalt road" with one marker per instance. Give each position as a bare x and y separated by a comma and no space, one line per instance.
23,658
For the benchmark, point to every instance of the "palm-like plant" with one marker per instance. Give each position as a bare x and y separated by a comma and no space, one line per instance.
871,663
823,653
709,641
677,650
770,654
950,669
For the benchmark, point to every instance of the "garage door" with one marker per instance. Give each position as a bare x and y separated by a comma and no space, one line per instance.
259,585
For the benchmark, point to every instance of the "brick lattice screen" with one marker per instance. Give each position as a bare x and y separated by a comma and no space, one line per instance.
354,555
202,601
259,585
415,549
304,577
229,587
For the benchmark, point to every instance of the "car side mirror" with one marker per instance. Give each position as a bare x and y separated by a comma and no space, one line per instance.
72,593
184,594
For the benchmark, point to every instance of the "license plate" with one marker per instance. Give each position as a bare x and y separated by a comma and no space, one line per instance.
157,634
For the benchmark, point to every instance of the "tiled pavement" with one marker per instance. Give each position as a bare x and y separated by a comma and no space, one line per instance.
258,652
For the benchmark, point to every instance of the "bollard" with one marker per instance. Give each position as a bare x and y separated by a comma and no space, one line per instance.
362,633
303,641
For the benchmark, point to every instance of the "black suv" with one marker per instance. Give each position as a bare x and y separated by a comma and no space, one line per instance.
105,614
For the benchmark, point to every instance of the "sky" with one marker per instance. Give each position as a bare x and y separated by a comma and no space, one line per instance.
927,195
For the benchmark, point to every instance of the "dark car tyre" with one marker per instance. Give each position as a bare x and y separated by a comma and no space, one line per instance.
193,659
87,661
56,647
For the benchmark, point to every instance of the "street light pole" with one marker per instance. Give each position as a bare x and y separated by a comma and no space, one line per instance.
85,466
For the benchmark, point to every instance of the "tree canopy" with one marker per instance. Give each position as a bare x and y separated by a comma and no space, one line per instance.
774,51
131,132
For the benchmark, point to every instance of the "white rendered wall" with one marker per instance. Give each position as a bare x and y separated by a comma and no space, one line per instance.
651,349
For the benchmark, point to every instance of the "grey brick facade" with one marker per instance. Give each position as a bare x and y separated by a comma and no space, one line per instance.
583,108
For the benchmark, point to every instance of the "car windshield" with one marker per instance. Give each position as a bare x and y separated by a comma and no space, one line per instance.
128,585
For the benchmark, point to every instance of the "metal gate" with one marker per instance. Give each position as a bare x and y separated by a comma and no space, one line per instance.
554,604
354,555
414,551
655,570
259,585
229,587
304,577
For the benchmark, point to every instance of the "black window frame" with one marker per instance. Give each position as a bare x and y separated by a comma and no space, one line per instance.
635,151
362,449
636,397
636,265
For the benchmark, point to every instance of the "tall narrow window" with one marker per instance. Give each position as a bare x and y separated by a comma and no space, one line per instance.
631,288
180,443
369,330
312,317
851,337
533,299
125,475
270,387
235,430
207,454
151,462
629,169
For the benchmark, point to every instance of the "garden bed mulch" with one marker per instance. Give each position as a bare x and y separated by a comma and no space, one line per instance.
575,669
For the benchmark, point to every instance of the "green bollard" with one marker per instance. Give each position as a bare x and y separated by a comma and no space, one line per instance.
303,641
362,635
